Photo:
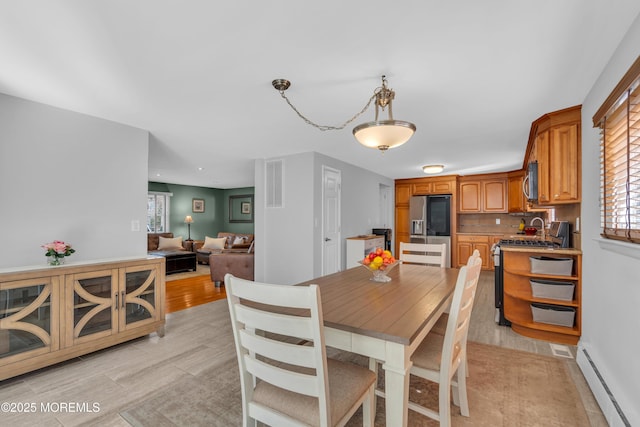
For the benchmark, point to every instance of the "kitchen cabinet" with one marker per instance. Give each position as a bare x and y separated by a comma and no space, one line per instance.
53,314
402,231
487,195
406,188
433,187
555,143
358,247
516,200
465,246
518,296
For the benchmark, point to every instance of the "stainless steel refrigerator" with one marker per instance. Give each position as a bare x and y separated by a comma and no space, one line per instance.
430,218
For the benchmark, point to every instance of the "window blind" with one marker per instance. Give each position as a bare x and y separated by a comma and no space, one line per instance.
620,160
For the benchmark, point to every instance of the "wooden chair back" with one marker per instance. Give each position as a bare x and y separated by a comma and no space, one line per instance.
421,253
286,361
455,337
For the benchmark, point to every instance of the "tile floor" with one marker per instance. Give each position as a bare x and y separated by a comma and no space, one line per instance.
110,381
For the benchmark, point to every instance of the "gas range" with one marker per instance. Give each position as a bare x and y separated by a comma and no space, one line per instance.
528,243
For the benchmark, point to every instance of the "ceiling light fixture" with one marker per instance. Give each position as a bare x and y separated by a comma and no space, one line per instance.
380,134
431,169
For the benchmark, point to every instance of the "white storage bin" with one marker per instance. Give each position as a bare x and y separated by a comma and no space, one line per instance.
552,289
553,314
550,265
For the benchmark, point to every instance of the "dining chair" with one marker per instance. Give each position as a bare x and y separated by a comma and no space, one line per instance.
441,324
423,253
439,358
285,376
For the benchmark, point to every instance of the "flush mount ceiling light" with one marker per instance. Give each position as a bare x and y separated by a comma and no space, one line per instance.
380,134
431,169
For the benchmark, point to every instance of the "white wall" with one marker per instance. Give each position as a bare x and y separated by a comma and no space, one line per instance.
71,177
611,283
288,239
360,204
284,236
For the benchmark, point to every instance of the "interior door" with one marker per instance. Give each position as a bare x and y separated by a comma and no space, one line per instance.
330,220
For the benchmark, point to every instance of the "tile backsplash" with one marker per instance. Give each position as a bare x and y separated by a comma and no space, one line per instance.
509,223
486,223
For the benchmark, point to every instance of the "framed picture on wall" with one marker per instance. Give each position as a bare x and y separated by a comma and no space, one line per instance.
241,208
197,205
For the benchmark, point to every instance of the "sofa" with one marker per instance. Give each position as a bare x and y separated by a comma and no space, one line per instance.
225,243
177,253
240,264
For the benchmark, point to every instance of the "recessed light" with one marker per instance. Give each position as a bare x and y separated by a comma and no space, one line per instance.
200,168
431,169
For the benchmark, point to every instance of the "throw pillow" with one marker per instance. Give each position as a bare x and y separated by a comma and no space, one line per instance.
168,243
238,241
214,243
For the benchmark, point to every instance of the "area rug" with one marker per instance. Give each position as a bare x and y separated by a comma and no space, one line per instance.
505,388
201,270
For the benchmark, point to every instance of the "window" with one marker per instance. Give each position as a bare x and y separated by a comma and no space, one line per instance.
158,212
619,121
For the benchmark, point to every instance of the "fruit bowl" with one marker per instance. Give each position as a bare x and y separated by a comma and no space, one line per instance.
380,274
530,231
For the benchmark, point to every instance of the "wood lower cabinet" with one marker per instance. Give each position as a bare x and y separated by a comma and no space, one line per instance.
49,315
465,246
518,295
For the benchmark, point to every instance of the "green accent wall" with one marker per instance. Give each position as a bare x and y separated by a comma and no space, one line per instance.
215,217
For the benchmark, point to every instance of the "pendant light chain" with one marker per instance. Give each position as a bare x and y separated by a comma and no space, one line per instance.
325,127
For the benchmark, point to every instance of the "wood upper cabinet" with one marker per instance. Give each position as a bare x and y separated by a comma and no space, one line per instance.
564,184
555,144
470,196
516,200
494,195
483,195
403,194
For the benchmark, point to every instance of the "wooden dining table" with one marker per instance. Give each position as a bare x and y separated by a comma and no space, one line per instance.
385,321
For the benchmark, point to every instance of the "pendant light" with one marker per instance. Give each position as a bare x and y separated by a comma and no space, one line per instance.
379,134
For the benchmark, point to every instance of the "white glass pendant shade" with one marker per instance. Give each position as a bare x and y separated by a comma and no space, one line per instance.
384,134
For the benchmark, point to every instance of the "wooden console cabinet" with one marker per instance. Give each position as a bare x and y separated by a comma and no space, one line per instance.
518,295
48,315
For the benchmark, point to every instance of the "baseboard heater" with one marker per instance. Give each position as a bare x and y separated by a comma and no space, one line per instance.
617,407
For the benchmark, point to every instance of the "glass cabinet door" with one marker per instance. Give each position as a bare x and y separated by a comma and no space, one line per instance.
27,317
140,295
94,300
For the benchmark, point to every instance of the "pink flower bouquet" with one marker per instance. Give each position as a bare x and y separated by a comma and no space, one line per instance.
56,251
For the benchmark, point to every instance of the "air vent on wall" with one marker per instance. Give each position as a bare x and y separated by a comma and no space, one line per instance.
274,183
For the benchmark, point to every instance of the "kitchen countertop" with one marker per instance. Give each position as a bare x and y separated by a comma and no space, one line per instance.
488,233
541,250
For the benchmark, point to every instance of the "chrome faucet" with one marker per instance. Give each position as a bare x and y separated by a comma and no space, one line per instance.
541,221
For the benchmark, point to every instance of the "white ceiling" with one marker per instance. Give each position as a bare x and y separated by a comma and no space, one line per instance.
472,75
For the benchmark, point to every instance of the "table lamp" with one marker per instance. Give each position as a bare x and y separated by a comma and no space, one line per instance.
188,220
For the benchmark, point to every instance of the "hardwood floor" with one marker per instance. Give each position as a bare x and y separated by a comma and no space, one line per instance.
192,291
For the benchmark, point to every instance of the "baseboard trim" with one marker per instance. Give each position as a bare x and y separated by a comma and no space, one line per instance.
605,398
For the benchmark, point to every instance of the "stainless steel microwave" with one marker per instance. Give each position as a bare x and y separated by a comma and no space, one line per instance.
530,182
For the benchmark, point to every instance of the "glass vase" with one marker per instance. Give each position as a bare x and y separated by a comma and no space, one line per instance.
54,260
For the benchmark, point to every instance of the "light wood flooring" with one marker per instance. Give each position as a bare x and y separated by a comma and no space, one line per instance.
116,377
